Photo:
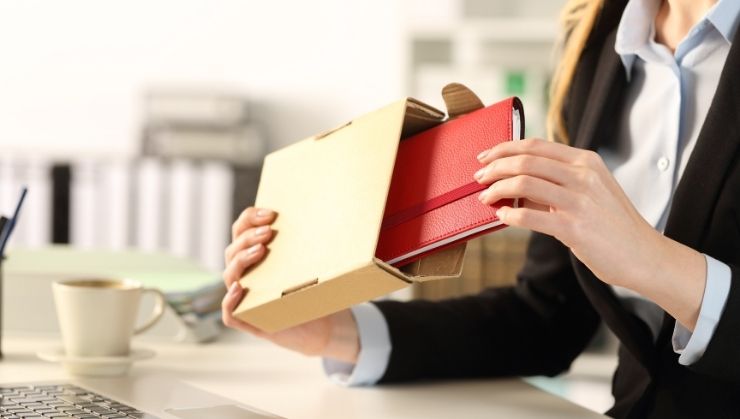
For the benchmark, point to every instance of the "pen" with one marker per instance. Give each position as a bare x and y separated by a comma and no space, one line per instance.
3,222
7,229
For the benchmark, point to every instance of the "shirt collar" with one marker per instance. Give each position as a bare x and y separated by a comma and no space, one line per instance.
725,16
637,28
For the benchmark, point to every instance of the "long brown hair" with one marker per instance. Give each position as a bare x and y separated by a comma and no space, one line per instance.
576,20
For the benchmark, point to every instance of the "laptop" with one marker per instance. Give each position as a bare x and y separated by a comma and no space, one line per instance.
142,397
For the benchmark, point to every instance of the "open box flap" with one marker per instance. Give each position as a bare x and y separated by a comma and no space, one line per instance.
330,192
447,263
442,264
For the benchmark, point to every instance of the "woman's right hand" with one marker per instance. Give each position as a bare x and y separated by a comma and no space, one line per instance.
334,336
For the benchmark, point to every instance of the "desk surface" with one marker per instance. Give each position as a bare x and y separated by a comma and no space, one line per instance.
262,375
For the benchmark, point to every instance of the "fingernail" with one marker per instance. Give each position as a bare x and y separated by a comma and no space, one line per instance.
482,196
254,249
482,155
234,288
479,174
264,212
501,214
261,231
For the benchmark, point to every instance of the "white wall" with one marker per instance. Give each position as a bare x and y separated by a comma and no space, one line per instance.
72,71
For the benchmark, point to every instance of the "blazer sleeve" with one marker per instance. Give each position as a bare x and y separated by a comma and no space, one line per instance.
536,327
721,358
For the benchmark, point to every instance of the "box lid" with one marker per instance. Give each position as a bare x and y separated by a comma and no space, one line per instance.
341,180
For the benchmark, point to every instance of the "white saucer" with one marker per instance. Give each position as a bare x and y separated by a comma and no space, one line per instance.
100,366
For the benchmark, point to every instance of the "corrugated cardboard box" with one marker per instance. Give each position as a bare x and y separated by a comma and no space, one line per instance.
330,192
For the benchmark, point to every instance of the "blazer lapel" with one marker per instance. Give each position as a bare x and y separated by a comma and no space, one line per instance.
700,185
713,156
599,122
606,92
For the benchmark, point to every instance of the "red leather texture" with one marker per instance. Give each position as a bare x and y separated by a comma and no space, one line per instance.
433,195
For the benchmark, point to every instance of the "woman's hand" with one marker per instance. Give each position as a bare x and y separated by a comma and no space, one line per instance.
571,195
250,233
333,336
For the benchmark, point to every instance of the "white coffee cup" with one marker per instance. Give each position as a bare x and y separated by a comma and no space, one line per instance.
97,316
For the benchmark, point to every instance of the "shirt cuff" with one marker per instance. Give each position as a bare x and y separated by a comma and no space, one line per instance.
375,350
691,346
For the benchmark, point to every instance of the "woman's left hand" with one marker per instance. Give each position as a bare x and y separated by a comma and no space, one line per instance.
570,194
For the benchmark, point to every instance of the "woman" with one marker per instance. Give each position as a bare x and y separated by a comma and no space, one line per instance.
636,218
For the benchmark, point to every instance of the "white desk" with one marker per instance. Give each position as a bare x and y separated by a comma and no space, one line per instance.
290,385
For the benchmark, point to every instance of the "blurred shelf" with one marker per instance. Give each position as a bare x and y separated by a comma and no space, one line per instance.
495,54
528,30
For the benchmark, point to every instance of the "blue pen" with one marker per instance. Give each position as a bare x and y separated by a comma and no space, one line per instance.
6,229
10,225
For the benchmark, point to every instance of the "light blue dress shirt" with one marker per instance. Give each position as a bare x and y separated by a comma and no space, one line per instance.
666,103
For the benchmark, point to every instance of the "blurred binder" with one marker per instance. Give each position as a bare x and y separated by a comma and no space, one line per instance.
201,124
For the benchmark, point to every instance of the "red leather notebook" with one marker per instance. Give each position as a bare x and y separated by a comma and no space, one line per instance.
433,199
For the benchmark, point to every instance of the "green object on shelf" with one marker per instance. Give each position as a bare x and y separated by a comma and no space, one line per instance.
166,272
516,83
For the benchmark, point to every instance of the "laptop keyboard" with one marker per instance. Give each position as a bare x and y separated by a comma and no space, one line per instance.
61,401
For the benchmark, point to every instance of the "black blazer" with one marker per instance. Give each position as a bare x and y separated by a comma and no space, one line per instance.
540,325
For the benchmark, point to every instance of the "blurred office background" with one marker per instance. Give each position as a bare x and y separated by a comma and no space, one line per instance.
143,124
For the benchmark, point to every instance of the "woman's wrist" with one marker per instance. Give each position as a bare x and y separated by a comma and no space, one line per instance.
344,340
674,278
